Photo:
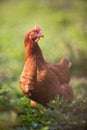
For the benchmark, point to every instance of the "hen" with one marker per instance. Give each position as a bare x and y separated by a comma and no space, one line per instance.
41,81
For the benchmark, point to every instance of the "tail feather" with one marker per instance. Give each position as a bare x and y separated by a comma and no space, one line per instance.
66,61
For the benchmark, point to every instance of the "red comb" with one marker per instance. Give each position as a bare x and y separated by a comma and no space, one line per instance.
37,28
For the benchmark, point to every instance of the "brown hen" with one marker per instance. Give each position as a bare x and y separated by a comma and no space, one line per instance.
41,81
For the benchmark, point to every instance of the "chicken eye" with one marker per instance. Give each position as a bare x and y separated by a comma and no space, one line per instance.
34,34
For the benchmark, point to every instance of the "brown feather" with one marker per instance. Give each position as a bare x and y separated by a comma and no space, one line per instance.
40,81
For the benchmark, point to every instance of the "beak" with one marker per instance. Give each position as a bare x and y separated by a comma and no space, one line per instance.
40,34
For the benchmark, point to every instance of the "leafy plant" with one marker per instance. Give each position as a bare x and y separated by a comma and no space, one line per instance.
62,116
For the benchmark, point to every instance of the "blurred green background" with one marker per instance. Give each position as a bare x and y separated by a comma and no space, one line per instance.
64,25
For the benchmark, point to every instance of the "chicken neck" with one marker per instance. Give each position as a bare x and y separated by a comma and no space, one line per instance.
33,51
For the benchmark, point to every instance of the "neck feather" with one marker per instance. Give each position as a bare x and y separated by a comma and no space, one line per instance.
33,50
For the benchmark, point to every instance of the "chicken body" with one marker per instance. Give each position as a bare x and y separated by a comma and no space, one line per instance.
41,81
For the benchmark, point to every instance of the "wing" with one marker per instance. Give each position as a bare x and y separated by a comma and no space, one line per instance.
62,72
